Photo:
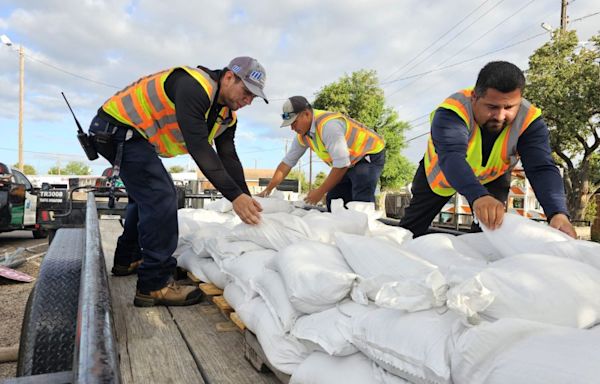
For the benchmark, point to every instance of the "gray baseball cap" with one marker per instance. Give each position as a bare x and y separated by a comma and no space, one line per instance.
292,107
252,74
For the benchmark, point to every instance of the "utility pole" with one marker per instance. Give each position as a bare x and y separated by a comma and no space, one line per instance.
21,102
310,170
564,19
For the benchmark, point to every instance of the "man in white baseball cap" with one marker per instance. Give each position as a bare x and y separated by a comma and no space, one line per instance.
355,153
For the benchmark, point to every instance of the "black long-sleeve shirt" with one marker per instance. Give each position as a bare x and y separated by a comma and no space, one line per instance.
450,138
222,168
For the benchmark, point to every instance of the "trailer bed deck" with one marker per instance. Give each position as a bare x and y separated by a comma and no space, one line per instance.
173,344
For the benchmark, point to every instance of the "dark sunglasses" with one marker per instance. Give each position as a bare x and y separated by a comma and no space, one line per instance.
287,115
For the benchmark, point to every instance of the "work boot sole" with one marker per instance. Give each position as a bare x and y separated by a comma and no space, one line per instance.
141,301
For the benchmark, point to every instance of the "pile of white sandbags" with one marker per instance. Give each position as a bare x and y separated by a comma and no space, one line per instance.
339,297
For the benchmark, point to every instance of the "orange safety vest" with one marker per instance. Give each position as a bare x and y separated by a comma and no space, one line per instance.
361,140
504,155
145,106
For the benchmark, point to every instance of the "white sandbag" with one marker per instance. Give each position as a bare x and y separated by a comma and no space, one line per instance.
274,205
193,218
320,330
207,231
214,274
324,224
543,288
414,346
282,350
478,242
390,276
518,234
270,286
244,268
456,260
251,311
524,352
183,245
320,368
221,249
194,263
234,295
377,229
275,231
444,251
219,205
315,274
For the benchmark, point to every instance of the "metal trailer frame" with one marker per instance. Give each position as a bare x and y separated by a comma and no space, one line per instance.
95,357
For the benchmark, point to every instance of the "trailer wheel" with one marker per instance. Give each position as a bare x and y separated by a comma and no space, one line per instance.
50,321
39,233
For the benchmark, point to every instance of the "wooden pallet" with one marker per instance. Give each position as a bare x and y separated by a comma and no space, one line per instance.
194,278
256,356
223,306
235,318
210,290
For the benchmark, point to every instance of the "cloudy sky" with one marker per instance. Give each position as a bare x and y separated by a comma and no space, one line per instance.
422,50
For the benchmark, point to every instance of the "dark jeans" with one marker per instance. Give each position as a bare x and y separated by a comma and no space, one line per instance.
425,204
151,187
128,246
359,182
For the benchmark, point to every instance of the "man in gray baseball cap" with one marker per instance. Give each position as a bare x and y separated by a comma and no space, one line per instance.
251,73
169,113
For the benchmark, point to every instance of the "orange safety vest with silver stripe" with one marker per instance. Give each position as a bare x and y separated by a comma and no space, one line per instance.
145,106
361,140
504,155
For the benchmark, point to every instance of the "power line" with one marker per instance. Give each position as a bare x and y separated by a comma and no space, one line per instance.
468,60
444,46
438,39
71,73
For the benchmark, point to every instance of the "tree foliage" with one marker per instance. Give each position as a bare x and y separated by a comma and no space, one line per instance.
175,169
27,169
72,168
359,96
319,179
563,80
297,175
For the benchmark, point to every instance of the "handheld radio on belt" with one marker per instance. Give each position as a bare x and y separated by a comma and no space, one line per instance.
83,137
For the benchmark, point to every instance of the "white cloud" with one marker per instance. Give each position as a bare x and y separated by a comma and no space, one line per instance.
304,45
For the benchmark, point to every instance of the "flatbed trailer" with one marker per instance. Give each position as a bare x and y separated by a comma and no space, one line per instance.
80,325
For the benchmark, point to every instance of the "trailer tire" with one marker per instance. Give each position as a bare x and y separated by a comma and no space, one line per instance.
39,233
50,321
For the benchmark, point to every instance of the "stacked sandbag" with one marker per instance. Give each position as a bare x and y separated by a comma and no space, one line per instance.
335,297
548,289
525,352
390,276
520,235
320,368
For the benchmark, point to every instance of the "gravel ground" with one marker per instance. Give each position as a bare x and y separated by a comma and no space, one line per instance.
13,297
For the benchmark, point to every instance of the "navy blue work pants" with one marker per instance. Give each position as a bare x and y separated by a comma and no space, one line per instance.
426,204
360,181
151,187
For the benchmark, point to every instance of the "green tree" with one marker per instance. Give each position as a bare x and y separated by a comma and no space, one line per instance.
175,169
563,81
297,175
359,96
72,168
319,179
27,169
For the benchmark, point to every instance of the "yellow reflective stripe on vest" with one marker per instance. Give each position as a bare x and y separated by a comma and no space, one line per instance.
145,106
503,156
361,141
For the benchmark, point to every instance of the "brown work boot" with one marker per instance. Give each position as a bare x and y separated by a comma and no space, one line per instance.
126,270
172,294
